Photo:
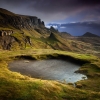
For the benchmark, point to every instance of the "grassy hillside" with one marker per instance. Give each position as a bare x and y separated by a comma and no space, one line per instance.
41,37
36,42
15,86
47,41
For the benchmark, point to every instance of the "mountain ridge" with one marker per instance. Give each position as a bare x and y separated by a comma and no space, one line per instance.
6,11
39,36
19,21
88,34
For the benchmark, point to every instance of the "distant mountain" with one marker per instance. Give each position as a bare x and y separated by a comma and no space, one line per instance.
68,34
90,38
65,35
22,31
88,34
78,28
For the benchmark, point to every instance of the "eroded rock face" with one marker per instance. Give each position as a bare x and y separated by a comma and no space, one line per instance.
8,41
6,32
53,29
20,21
28,41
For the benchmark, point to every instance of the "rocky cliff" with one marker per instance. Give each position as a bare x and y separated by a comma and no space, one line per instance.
16,30
19,21
22,31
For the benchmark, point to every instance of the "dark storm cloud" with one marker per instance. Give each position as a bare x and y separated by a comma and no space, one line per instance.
8,2
80,12
63,5
89,2
55,2
50,10
65,8
62,9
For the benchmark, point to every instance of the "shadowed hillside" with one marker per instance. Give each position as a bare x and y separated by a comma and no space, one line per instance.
38,35
26,38
88,34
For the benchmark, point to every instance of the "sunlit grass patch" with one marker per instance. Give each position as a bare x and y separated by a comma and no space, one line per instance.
14,86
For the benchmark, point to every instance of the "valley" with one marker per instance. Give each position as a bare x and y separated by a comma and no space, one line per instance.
25,38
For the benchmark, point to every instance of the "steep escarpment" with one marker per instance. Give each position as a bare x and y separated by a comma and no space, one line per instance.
9,42
19,21
23,31
16,30
6,42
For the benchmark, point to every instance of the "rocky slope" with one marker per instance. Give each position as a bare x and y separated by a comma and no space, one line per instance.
18,21
22,27
30,31
90,38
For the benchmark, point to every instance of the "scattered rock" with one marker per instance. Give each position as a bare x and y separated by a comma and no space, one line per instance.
79,86
26,61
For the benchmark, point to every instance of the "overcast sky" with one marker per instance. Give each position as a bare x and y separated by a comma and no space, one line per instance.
56,11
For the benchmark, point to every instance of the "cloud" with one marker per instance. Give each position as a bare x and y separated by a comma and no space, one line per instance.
91,24
79,28
62,27
60,9
52,6
51,10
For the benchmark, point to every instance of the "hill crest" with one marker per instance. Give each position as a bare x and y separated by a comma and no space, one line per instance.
8,18
88,34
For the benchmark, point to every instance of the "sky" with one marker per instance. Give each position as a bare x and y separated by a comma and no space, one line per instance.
73,16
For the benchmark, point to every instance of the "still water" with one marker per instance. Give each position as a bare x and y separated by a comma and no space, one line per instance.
48,69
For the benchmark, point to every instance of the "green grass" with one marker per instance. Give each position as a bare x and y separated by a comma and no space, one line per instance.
40,41
14,86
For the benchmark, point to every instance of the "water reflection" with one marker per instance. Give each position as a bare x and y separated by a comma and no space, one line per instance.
48,69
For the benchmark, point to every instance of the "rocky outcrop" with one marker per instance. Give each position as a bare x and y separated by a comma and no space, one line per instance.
79,86
65,34
53,37
11,24
19,21
6,32
52,29
27,40
6,42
